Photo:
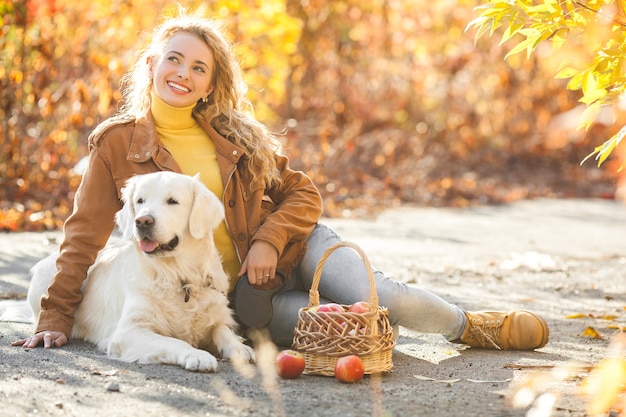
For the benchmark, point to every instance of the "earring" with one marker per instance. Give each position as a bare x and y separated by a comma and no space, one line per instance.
205,99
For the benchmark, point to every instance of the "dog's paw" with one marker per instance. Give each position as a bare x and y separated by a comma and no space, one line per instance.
198,361
239,351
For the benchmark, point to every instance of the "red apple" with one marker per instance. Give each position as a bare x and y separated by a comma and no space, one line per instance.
330,308
349,369
289,364
360,307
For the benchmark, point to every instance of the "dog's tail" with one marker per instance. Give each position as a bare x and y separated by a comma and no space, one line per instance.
16,311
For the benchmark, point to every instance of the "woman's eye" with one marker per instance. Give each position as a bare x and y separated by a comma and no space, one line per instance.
172,59
171,201
199,69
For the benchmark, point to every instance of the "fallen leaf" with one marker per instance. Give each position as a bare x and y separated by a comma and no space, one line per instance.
443,381
111,372
591,332
520,367
488,381
571,367
577,316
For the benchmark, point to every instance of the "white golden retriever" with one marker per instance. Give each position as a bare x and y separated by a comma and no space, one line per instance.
157,293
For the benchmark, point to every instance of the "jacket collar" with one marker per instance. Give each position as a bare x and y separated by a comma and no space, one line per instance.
145,144
223,146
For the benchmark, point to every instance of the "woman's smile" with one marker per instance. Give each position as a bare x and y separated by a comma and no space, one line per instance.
178,87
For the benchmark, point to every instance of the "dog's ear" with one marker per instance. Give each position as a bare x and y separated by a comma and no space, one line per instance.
125,218
207,211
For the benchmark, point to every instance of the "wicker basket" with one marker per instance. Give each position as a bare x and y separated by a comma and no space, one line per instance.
325,336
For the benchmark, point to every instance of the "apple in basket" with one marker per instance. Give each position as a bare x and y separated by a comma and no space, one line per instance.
360,307
329,308
289,364
349,369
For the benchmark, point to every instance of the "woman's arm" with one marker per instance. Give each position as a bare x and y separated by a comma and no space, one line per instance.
298,208
85,233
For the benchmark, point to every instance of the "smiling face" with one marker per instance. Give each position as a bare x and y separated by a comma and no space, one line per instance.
183,73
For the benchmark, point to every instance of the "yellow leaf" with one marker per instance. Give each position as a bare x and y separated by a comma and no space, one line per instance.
526,44
592,90
576,82
577,316
589,116
510,31
591,332
566,73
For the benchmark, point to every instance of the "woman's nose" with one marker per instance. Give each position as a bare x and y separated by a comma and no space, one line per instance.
182,73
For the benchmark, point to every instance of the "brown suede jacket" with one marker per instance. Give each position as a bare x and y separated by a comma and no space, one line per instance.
119,148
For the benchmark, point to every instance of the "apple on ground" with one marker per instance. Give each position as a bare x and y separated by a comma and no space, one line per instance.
289,363
349,368
360,307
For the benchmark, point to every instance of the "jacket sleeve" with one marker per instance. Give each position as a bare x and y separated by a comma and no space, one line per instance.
85,233
298,207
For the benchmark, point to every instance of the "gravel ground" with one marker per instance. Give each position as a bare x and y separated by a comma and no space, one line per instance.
556,257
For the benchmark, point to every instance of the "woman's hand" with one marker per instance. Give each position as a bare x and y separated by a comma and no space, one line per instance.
49,339
260,263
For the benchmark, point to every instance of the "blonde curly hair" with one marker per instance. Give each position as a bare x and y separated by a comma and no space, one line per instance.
227,108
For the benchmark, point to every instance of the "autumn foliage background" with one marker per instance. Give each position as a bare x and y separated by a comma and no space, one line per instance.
383,102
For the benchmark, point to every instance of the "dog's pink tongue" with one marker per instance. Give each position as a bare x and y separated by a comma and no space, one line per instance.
148,246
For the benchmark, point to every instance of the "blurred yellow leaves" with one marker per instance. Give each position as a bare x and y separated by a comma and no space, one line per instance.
607,381
265,38
603,384
63,60
590,331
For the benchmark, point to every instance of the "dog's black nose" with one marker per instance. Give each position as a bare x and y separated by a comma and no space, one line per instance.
144,222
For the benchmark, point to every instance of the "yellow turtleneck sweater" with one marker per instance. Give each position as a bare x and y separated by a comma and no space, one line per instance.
195,153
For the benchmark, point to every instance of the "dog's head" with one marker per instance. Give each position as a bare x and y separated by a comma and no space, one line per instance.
162,209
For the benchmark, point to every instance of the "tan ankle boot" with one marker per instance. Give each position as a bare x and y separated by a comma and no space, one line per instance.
515,330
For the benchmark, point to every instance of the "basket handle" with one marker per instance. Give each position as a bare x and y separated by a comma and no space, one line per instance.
314,295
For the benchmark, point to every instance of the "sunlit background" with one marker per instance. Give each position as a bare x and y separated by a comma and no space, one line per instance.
382,103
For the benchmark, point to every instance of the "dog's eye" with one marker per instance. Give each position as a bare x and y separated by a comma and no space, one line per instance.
140,201
172,201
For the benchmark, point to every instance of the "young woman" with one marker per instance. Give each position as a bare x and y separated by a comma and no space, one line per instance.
185,110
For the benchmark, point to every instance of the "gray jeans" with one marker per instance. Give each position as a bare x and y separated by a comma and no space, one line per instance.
344,280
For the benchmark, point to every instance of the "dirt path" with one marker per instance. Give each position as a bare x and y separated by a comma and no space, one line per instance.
556,257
